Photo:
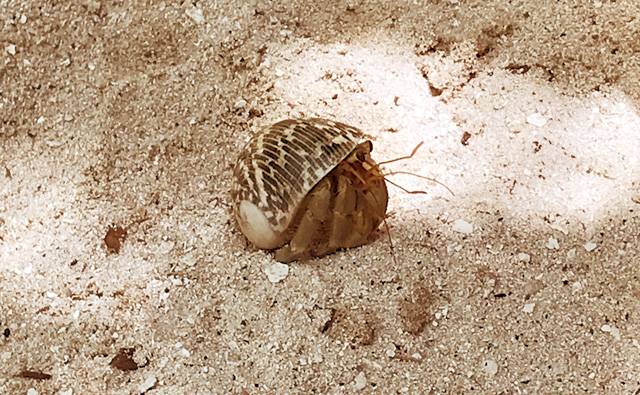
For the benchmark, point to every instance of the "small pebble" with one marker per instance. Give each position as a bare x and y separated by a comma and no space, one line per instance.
553,244
528,308
360,382
536,119
240,104
615,332
23,19
184,352
32,391
462,226
590,246
490,367
195,14
147,384
11,49
276,271
523,257
390,351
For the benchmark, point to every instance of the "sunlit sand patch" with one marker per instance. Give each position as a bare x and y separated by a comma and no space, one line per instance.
532,149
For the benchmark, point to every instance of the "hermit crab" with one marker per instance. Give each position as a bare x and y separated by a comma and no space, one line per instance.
308,187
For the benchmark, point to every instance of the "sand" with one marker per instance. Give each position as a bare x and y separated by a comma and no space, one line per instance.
121,268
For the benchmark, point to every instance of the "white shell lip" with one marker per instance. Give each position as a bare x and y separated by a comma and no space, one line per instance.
256,227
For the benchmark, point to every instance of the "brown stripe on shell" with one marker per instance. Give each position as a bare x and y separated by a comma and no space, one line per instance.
294,167
279,159
300,145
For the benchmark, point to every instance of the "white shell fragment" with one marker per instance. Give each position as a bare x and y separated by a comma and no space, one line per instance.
182,351
360,382
147,384
390,350
195,14
590,246
462,226
490,367
553,244
536,119
11,49
528,308
615,332
276,271
240,104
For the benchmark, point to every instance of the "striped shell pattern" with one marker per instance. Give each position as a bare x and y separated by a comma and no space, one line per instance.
284,161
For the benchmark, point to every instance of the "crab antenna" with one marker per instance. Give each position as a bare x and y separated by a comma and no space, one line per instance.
419,176
404,189
403,157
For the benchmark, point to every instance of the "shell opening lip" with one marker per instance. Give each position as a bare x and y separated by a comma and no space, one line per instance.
255,226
